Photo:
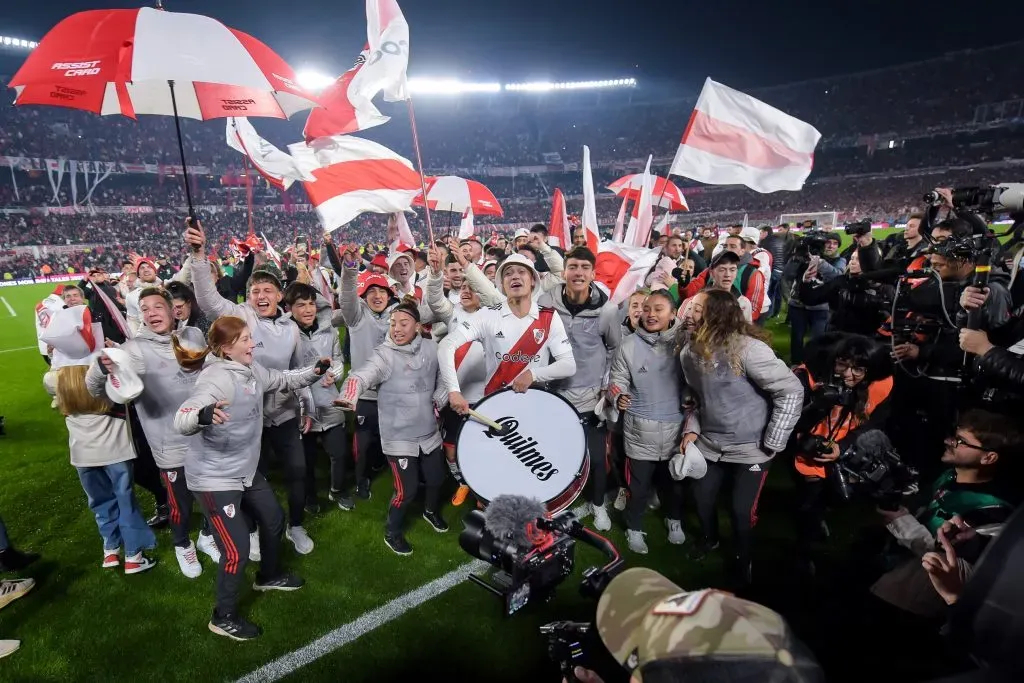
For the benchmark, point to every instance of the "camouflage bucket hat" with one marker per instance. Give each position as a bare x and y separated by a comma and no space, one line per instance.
643,618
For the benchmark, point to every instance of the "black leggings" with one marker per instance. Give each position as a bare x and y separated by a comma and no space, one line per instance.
228,513
338,447
367,439
179,506
597,451
406,472
286,442
640,478
747,481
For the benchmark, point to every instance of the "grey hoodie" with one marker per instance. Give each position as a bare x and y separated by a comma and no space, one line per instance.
278,343
165,386
321,341
366,329
408,386
225,456
740,417
645,368
595,334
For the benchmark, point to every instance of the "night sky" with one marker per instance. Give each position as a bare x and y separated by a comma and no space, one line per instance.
746,43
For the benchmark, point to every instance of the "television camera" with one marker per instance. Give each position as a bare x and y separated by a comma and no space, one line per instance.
532,551
991,199
873,468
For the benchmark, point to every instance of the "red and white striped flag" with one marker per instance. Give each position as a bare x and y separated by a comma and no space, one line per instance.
466,226
559,227
589,217
734,139
346,108
638,232
622,268
354,176
276,166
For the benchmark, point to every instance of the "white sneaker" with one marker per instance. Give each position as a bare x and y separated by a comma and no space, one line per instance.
620,500
188,561
635,541
675,532
602,522
300,539
208,546
654,503
254,547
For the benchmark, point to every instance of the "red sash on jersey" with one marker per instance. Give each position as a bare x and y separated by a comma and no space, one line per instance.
527,347
461,353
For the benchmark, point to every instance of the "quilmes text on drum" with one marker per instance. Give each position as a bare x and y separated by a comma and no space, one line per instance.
541,451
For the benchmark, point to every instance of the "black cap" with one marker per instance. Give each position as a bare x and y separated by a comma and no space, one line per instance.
724,257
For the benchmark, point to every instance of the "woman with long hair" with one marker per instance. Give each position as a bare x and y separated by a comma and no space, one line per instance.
747,403
226,407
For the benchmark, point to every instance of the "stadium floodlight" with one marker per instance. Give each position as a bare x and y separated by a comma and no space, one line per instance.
547,86
313,80
449,86
10,41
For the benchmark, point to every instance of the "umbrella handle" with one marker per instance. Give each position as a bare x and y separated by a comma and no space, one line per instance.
184,166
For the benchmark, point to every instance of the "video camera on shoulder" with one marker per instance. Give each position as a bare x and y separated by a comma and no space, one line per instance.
811,244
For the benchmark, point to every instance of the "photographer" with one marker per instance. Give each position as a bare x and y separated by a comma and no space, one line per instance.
980,487
818,261
844,398
999,366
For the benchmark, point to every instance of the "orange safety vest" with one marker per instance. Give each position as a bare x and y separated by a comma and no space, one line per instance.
878,391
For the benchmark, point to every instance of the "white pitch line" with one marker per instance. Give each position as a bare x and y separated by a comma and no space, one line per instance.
9,309
23,348
343,635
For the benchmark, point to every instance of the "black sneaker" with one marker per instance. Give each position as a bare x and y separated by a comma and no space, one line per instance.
363,489
703,548
436,521
343,501
234,627
160,519
285,582
397,543
312,505
12,560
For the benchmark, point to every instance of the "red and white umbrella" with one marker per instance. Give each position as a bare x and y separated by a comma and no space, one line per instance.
149,61
665,193
452,193
120,61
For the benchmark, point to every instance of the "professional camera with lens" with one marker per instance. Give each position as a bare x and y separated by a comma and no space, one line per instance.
991,199
532,552
811,244
858,229
873,468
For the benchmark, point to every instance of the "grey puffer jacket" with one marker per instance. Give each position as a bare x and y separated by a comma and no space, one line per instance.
645,368
322,342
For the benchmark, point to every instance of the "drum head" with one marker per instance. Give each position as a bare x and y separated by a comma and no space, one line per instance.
542,455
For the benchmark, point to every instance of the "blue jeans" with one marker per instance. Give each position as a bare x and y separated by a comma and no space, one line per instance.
4,541
112,501
802,320
775,293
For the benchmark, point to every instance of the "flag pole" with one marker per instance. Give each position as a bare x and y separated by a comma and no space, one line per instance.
419,163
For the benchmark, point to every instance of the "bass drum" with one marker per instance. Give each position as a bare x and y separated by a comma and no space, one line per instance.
541,454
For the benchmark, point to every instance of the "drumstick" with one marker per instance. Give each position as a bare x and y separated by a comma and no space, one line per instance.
496,426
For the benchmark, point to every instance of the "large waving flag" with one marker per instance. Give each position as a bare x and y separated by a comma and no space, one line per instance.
619,232
354,176
278,167
559,227
381,67
734,139
638,232
346,108
589,217
622,268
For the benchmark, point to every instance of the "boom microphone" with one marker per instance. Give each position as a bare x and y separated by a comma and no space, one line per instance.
507,517
873,443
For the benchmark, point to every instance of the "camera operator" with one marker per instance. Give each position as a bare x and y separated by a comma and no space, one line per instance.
908,248
980,487
999,366
816,260
844,396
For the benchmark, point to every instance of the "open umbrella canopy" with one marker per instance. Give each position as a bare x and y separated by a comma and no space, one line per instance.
452,193
664,192
120,62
